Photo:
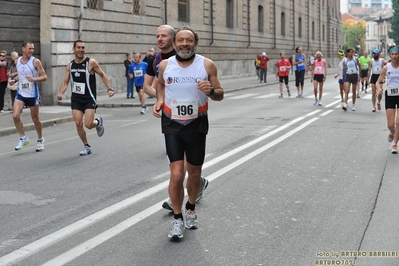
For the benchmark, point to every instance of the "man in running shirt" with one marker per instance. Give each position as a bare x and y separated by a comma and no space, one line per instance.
164,35
137,70
376,65
82,71
364,61
30,72
182,103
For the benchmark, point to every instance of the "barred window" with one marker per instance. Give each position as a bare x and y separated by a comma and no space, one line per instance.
229,13
136,7
260,19
183,10
95,4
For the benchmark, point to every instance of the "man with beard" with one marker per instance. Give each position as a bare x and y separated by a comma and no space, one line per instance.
376,65
185,83
164,35
82,71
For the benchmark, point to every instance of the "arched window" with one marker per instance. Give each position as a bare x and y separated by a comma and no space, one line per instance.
260,18
283,23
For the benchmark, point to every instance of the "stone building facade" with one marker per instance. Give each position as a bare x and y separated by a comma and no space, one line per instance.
232,32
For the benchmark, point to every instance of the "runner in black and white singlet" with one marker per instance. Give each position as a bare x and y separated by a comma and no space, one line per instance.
391,73
81,71
30,72
185,82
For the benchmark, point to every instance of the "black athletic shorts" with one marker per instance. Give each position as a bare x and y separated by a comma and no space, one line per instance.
353,78
283,79
82,106
192,144
374,78
138,88
364,73
391,102
318,77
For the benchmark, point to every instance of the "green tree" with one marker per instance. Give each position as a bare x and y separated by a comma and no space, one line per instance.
394,20
355,32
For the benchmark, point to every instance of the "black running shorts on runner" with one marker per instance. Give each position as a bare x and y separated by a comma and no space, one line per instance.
353,78
193,144
318,77
81,106
391,101
364,73
139,88
374,78
283,79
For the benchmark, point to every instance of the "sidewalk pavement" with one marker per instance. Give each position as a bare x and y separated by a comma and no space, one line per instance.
52,115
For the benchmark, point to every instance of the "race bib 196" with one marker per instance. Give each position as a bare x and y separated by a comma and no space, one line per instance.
184,109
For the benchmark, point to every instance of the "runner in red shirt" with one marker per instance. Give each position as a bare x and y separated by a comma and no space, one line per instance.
283,66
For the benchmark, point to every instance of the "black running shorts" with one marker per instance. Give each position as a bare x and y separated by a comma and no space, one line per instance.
192,144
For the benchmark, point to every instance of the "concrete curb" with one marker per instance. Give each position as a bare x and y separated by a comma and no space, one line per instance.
29,127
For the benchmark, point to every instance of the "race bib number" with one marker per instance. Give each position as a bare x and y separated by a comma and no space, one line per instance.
393,91
26,86
365,66
352,70
138,73
318,69
283,68
184,109
300,64
78,88
376,69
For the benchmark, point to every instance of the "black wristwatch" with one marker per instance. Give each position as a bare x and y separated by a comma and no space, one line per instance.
110,89
212,92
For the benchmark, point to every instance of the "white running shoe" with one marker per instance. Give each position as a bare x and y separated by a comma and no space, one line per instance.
22,143
85,151
100,127
144,110
40,145
315,101
353,108
191,219
319,103
176,232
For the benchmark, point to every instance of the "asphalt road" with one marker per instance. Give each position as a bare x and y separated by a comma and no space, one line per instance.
291,184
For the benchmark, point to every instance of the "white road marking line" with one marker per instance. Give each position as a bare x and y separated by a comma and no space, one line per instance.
267,96
108,234
243,96
57,236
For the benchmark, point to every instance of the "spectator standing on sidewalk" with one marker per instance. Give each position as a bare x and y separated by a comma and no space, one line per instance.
137,70
149,57
3,78
82,70
30,72
283,66
319,75
183,106
13,76
129,80
300,63
257,63
263,67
